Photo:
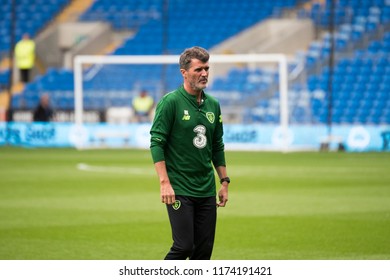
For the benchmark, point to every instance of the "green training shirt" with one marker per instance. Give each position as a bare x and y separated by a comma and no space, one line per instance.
188,137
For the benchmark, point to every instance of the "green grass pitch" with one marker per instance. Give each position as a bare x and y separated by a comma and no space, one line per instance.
104,204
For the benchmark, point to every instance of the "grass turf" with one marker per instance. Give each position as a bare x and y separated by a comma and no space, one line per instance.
282,206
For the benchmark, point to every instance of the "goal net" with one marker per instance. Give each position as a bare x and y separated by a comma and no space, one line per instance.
241,82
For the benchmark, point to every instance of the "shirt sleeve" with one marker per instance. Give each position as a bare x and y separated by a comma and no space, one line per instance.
161,129
218,156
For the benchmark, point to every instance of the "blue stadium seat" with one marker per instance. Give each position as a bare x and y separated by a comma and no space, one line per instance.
4,78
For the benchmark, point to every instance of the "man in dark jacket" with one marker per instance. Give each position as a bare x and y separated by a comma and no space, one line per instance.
43,112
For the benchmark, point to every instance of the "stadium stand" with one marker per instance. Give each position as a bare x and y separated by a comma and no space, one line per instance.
360,77
146,17
30,17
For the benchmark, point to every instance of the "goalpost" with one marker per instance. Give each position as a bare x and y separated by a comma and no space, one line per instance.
81,60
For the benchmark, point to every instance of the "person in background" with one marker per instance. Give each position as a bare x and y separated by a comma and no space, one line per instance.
186,142
25,57
43,112
143,106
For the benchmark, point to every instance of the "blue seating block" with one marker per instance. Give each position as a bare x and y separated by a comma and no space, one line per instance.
31,17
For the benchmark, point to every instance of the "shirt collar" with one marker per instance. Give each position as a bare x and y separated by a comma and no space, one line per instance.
191,97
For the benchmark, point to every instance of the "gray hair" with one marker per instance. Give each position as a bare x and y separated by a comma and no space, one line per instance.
193,53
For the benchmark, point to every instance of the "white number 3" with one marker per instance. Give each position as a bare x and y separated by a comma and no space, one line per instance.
200,140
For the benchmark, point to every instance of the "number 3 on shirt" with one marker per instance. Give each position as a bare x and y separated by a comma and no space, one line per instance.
200,140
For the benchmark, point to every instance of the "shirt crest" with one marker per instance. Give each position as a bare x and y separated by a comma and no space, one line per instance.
210,116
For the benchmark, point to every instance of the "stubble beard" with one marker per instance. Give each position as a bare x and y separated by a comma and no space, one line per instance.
198,86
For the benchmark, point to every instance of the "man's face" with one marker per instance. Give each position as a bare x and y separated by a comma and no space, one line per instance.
196,77
45,100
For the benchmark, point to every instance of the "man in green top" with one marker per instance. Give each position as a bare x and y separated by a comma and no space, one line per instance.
186,141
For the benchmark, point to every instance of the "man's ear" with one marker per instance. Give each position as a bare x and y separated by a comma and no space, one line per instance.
183,73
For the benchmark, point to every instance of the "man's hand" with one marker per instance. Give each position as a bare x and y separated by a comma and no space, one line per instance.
223,195
167,193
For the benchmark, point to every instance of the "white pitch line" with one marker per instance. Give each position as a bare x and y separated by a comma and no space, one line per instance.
114,169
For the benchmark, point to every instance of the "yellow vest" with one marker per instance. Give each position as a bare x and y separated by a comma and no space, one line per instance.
25,54
143,104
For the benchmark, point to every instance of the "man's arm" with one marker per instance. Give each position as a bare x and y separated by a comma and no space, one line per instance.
159,133
223,192
167,193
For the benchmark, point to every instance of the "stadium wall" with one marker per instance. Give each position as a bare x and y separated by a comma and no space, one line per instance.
236,137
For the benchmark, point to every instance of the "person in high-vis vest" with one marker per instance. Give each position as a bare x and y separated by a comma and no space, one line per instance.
143,105
25,57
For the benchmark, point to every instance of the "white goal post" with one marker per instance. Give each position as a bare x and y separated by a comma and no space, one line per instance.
280,59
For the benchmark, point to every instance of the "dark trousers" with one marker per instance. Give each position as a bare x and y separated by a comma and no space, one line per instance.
193,228
25,75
